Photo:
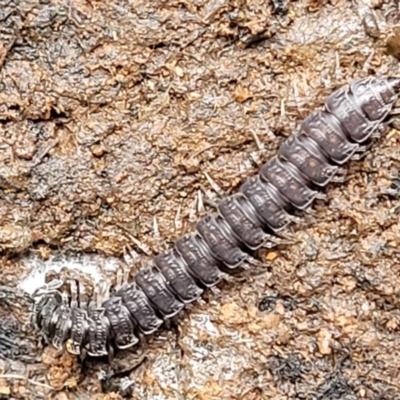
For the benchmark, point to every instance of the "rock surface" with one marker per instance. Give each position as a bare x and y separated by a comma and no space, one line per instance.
113,117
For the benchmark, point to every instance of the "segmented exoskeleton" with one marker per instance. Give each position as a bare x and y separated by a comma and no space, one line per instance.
306,162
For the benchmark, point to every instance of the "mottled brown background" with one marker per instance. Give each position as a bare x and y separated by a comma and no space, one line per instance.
112,113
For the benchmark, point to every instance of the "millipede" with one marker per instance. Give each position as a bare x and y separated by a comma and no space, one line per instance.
254,217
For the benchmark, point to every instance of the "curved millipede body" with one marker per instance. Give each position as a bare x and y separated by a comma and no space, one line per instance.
246,221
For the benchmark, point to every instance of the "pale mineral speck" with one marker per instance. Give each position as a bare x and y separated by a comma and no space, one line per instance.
95,266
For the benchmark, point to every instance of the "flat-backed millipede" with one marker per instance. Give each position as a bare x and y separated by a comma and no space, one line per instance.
246,221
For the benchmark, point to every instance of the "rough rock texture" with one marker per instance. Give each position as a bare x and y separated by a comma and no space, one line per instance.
113,116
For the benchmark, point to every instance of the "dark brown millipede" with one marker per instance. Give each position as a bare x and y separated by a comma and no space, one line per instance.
246,221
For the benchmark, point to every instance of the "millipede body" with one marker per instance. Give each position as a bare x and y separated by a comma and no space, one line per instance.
244,222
